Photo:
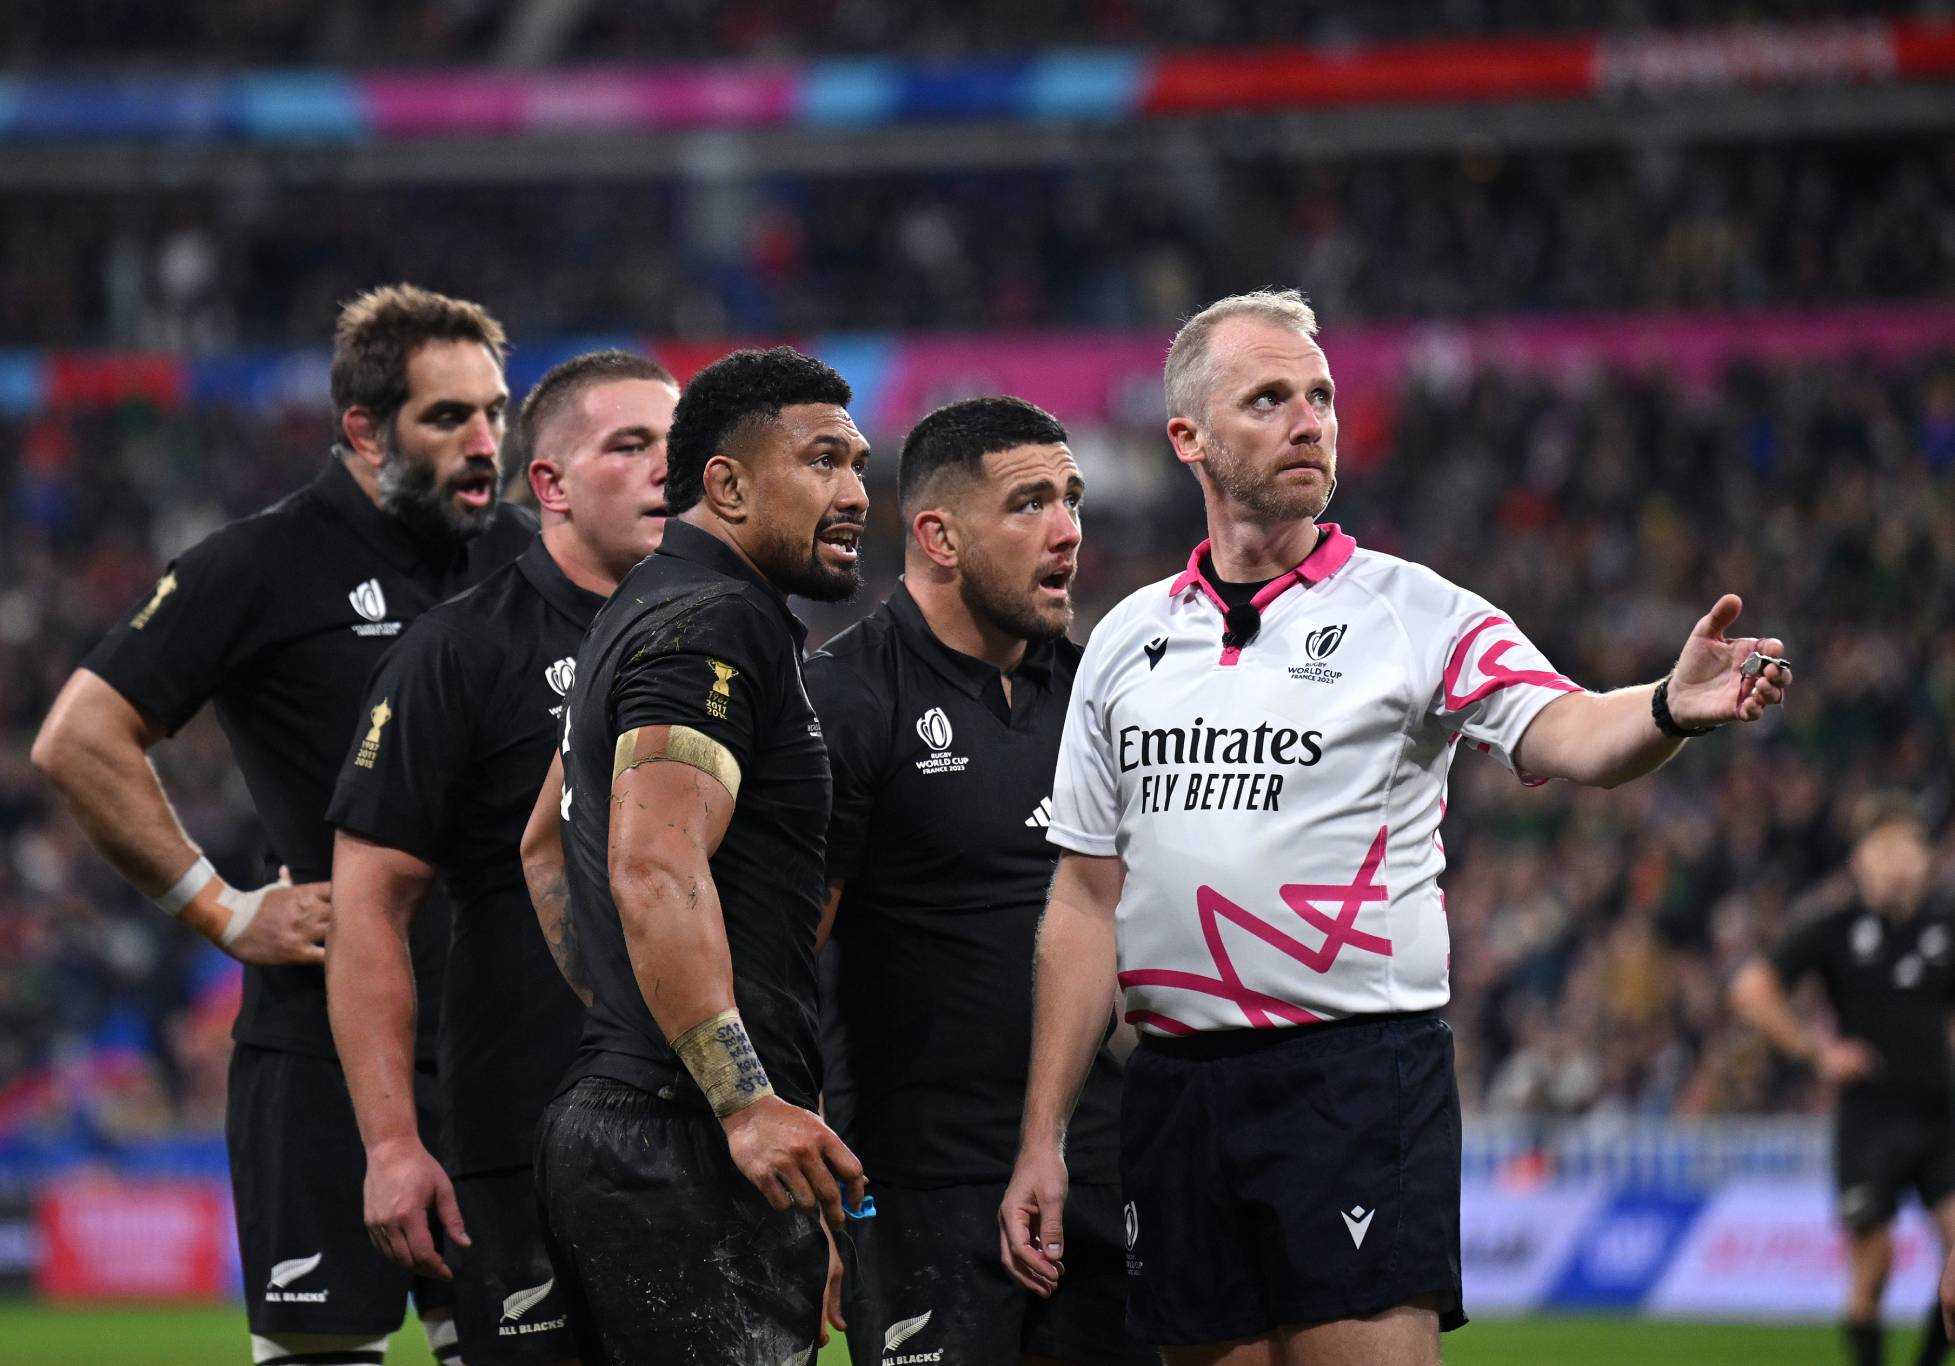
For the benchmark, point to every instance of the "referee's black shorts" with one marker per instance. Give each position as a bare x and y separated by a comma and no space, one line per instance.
1286,1177
1881,1151
663,1250
298,1174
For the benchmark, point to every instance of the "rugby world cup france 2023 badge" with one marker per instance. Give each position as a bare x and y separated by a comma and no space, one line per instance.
1319,646
933,728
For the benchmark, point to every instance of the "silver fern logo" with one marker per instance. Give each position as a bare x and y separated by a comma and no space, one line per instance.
523,1301
562,675
284,1273
368,600
903,1330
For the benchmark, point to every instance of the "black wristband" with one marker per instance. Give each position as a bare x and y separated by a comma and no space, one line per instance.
1660,713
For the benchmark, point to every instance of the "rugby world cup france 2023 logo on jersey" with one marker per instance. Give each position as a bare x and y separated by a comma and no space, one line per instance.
1319,646
933,728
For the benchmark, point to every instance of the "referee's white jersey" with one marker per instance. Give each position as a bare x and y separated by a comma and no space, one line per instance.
1277,808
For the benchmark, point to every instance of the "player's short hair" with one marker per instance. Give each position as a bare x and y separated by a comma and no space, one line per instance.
379,330
566,383
1878,810
1185,378
959,435
736,391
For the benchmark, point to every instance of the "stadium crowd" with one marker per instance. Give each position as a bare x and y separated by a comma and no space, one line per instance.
1592,932
1408,237
293,32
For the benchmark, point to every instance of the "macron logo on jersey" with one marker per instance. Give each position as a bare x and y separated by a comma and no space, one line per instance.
1358,1221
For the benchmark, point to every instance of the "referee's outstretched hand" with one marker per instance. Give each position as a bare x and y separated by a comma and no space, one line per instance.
1709,686
1031,1220
403,1183
794,1159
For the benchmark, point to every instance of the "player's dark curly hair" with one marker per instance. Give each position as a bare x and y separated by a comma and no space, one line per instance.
959,435
736,391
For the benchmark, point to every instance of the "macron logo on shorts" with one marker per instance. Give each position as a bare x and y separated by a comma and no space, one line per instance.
1359,1222
901,1332
286,1272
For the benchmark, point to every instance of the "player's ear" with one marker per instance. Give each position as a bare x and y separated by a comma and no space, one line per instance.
937,535
726,486
547,483
364,434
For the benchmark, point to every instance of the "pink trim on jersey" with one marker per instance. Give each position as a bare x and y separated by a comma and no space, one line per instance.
1258,1008
1332,553
1498,676
1167,1024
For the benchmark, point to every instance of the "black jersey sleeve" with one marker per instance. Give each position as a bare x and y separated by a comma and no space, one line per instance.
406,771
855,727
1810,947
197,630
718,668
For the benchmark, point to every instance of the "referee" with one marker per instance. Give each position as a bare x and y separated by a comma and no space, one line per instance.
474,691
1886,961
682,1163
1248,796
278,619
942,713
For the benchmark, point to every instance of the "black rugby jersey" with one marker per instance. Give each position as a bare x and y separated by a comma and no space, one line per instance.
943,792
278,619
475,693
1891,985
694,637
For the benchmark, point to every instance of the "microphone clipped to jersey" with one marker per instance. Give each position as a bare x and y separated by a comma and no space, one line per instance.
1241,625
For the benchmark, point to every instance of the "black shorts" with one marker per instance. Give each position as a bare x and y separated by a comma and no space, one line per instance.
1289,1177
664,1251
1881,1151
923,1276
508,1307
298,1172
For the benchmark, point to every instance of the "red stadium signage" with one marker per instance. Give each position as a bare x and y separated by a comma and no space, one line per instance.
105,1239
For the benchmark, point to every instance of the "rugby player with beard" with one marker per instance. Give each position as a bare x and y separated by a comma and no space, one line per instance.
943,712
682,1164
278,619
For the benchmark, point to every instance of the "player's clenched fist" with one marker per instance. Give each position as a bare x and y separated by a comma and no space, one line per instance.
403,1183
1030,1220
793,1158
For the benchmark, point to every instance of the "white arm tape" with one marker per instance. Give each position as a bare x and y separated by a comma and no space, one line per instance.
181,892
243,907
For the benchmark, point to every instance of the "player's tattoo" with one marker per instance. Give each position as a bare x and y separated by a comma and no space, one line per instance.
560,933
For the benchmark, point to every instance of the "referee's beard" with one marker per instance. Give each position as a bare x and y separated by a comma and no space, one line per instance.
1258,492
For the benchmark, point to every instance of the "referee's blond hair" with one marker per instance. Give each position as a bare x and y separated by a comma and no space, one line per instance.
1185,379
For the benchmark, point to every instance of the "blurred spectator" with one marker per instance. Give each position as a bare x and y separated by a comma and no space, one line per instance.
1822,223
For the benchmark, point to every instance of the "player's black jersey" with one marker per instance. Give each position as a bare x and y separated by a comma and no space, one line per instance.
474,694
1891,985
278,619
943,792
694,637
